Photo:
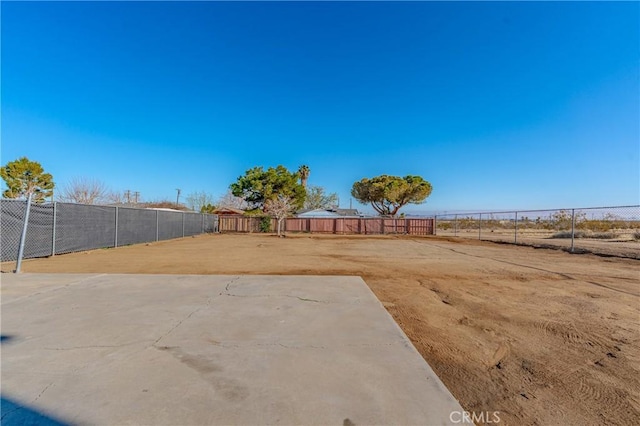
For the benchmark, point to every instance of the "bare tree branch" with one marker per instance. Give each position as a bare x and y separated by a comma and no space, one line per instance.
230,200
280,207
84,190
197,200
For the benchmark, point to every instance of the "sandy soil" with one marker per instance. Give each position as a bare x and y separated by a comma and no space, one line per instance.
541,336
623,245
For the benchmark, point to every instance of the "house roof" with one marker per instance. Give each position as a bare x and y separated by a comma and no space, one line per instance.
329,213
228,210
347,212
318,213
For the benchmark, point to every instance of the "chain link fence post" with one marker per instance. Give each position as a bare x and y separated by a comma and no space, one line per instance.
480,227
53,234
435,224
182,224
573,228
157,223
23,236
515,230
455,225
115,239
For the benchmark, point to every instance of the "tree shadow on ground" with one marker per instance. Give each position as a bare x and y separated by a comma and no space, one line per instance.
15,413
5,338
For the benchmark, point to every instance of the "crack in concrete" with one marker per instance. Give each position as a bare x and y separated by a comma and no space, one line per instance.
227,292
179,323
276,295
228,286
292,347
175,326
282,345
62,287
43,391
90,347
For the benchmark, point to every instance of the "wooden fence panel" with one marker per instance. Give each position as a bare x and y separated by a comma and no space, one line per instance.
395,226
322,225
346,225
295,224
373,226
239,223
420,226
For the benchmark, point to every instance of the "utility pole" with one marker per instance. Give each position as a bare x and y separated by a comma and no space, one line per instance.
135,197
127,195
178,197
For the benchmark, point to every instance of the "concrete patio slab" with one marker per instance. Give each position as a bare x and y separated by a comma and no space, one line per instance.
202,350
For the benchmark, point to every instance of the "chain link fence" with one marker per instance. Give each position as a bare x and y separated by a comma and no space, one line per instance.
57,228
611,231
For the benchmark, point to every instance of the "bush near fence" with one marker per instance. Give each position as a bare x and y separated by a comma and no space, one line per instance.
346,225
57,228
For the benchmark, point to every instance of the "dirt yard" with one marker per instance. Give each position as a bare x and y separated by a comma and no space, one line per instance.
540,336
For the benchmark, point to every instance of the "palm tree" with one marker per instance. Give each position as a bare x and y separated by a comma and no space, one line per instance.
304,173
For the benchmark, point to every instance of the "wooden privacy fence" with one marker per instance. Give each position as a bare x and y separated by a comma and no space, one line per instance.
347,225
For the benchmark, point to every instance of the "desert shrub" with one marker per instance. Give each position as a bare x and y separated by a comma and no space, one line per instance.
567,234
603,235
491,223
596,225
583,234
608,222
562,220
467,223
444,225
601,225
636,235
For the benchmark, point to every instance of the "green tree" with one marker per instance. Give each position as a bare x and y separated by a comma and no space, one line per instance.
387,194
257,186
24,177
318,199
207,208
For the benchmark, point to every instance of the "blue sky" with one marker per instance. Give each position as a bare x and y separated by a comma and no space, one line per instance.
498,105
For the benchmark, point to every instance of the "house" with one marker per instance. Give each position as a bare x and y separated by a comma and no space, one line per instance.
348,212
328,213
228,211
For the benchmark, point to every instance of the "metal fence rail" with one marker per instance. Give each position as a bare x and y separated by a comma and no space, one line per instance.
346,225
58,228
603,230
